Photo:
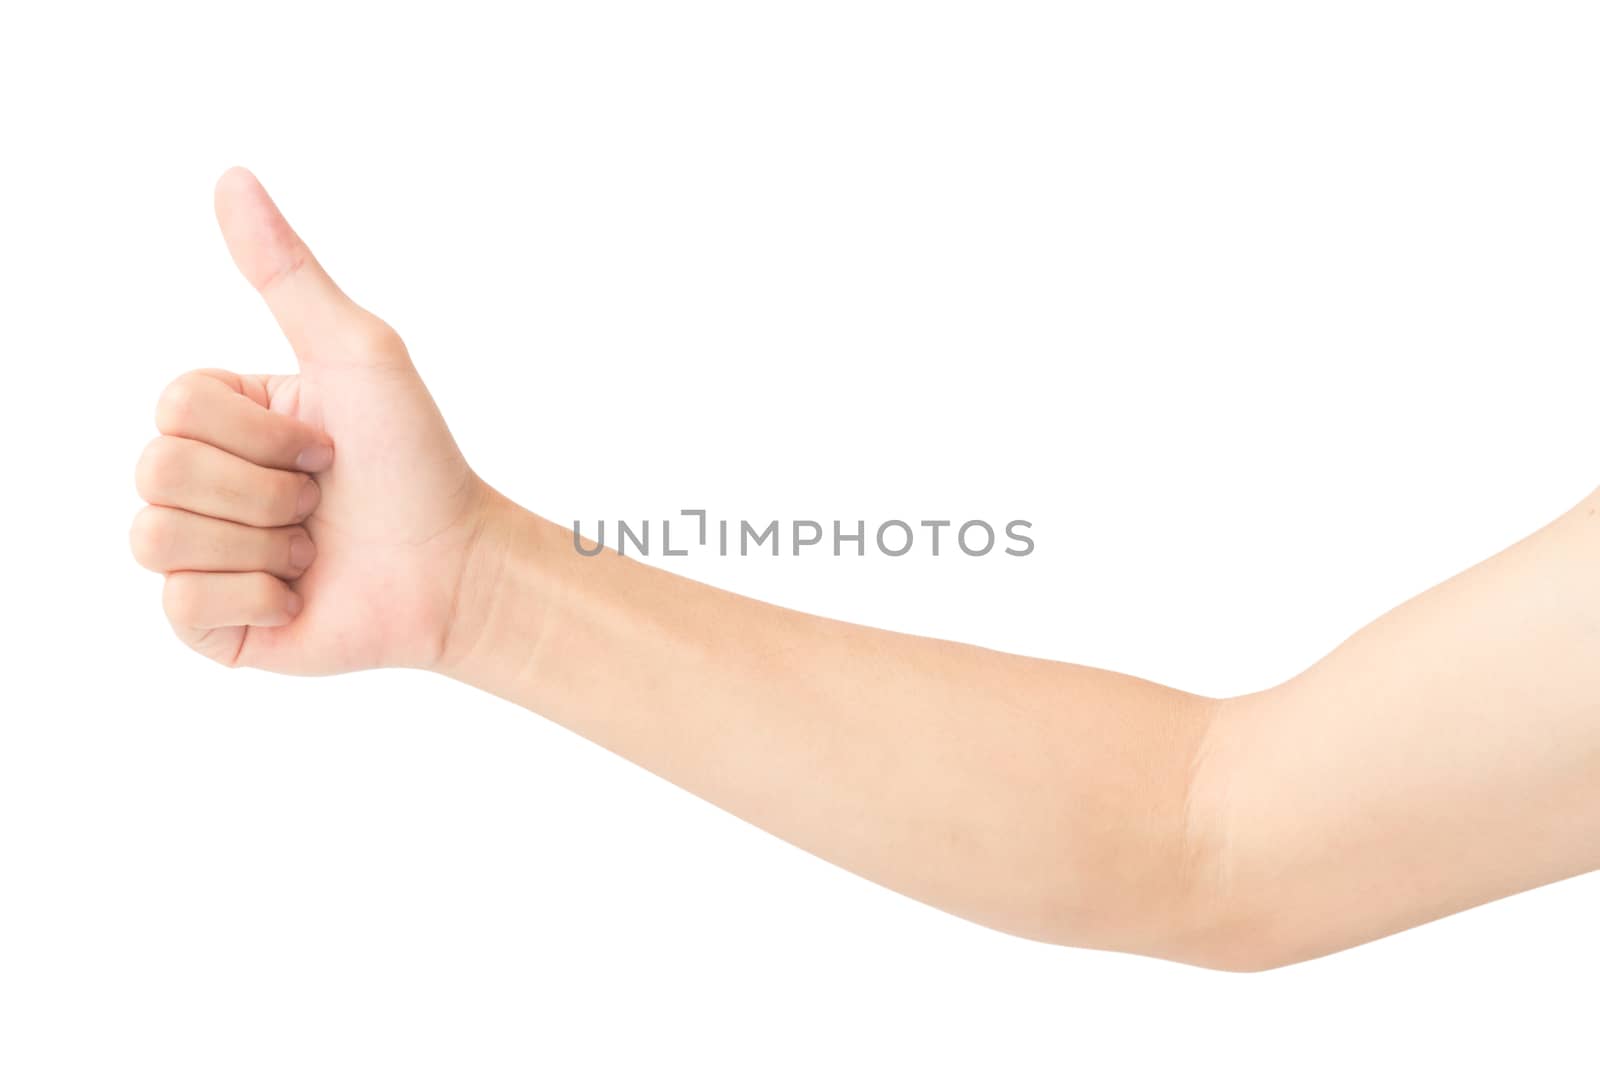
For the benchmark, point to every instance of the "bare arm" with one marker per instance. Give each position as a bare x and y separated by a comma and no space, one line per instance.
1446,755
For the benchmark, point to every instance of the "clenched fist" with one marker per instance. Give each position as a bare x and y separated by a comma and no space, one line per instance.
307,523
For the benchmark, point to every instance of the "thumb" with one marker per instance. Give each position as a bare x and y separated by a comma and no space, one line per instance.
273,259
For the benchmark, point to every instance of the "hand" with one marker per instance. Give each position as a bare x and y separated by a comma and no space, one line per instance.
311,523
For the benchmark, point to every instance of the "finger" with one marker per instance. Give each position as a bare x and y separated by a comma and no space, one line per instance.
198,602
204,406
166,539
277,263
176,472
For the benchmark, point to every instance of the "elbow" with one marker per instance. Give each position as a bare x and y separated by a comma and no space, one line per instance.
1235,913
1240,944
1194,926
1176,915
1179,875
1233,933
1206,900
1245,924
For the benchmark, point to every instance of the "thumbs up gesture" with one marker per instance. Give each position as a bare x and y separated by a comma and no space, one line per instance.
309,523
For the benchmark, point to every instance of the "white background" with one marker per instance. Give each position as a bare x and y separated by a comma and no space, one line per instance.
1267,315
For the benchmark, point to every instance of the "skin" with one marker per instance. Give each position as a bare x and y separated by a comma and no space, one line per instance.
1445,756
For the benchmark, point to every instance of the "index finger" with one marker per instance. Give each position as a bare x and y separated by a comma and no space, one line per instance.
211,407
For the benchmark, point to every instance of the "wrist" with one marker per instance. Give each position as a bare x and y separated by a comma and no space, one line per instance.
502,599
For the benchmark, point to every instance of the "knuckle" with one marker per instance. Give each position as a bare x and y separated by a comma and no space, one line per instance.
149,538
180,599
369,333
178,403
159,468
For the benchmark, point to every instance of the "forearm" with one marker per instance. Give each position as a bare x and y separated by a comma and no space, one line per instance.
1446,755
1037,797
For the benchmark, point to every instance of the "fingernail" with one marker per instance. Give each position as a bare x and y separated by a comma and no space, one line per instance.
309,495
314,458
291,603
301,552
